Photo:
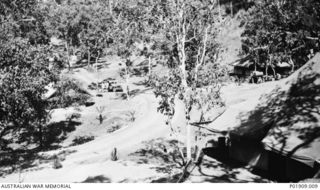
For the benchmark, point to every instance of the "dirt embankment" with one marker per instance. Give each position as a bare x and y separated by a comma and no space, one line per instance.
287,114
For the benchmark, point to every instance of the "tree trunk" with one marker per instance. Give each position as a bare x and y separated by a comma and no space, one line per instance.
97,58
68,56
149,65
201,56
189,143
110,6
274,72
267,69
182,56
272,67
40,137
220,17
88,57
127,83
292,64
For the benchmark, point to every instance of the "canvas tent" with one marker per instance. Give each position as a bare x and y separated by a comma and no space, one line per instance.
290,118
281,135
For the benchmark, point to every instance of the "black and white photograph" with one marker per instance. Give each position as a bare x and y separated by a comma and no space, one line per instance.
159,91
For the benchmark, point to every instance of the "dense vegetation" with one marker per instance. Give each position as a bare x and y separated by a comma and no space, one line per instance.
179,34
282,31
24,73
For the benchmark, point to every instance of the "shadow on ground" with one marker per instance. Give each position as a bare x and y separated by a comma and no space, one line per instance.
164,155
162,152
134,93
26,158
57,132
288,112
288,120
214,171
30,160
145,83
97,179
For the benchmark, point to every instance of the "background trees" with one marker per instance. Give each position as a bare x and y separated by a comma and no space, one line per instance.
24,73
96,28
182,32
23,19
84,26
128,17
63,22
282,31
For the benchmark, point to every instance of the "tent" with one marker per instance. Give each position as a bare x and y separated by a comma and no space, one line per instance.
280,138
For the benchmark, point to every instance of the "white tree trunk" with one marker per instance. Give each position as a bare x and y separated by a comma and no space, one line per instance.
97,58
274,71
68,55
182,56
220,17
181,39
89,55
201,56
292,65
149,65
127,84
110,6
189,143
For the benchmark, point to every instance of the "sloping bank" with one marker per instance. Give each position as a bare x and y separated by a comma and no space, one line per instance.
280,137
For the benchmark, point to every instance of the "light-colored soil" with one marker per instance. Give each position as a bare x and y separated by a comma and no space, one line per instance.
91,161
141,157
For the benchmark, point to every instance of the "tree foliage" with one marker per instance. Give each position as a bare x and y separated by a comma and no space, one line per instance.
129,30
282,30
96,29
68,93
84,26
24,72
24,75
185,36
23,19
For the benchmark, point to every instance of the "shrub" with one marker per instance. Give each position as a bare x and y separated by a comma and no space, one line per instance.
132,116
56,162
113,128
91,69
81,140
114,155
73,116
69,92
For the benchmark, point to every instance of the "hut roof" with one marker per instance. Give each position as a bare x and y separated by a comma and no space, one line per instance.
283,65
243,63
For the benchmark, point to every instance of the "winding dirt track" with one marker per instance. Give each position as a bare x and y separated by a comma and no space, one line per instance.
92,158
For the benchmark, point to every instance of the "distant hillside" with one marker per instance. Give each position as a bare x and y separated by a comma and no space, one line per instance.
229,39
231,29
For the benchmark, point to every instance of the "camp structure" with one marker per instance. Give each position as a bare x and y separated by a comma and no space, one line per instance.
246,69
279,137
263,159
283,68
243,68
